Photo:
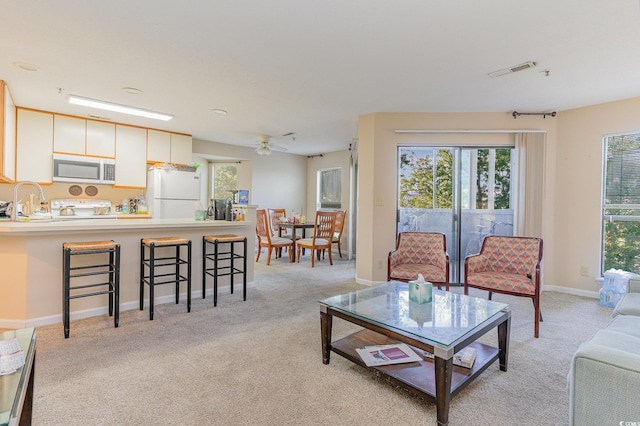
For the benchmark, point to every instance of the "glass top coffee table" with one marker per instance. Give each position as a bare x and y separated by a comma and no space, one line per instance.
450,323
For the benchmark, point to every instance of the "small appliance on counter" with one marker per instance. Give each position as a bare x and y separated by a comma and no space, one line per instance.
80,208
217,209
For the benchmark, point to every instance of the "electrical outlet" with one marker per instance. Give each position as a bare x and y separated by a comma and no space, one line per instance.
584,271
136,277
380,264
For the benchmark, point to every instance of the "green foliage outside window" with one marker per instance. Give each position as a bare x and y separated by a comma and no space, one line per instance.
419,188
621,203
225,177
424,184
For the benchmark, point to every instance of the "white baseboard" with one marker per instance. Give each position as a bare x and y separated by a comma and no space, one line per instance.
573,291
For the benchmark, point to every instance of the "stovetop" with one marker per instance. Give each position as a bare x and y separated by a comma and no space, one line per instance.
84,208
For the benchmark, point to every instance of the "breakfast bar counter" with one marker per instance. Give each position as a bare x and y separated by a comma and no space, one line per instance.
31,263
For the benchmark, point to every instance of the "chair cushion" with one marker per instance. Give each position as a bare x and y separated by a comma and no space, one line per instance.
515,283
410,271
308,242
280,241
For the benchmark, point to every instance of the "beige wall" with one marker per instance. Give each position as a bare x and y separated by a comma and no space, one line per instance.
579,187
329,160
377,165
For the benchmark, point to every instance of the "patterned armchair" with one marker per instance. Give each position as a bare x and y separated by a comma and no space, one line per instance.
420,253
508,265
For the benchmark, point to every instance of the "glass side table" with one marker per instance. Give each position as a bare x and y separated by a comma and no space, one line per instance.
16,398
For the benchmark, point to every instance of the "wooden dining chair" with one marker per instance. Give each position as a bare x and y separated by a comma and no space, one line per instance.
322,239
341,218
275,217
269,241
337,233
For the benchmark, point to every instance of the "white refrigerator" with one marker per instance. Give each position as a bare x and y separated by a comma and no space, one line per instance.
172,194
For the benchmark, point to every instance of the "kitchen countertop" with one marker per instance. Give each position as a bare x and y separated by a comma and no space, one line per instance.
48,227
31,263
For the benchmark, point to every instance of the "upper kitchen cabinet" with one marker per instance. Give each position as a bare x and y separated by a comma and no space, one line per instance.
69,134
101,139
7,135
34,146
166,147
158,146
181,149
131,156
74,135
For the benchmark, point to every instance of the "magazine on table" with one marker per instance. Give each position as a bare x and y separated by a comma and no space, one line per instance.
11,356
387,354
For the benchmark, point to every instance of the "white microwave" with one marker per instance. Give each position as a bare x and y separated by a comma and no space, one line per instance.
78,168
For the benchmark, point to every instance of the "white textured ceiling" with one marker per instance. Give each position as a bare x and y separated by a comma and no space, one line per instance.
312,67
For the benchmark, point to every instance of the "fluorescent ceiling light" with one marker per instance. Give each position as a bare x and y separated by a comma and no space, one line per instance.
92,103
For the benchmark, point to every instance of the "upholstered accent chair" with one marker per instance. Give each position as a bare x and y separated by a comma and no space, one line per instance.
267,240
508,265
420,253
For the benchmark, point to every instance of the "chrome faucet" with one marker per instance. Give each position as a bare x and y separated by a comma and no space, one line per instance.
14,210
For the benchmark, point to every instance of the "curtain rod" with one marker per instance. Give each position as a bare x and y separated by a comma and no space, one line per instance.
403,131
516,114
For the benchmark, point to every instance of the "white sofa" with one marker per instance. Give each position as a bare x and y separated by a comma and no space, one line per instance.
604,379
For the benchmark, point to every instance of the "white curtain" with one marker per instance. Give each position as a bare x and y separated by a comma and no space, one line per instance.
530,158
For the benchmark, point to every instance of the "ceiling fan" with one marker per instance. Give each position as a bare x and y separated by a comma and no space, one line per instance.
265,146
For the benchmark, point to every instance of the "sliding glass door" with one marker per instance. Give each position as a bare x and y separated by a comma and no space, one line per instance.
465,193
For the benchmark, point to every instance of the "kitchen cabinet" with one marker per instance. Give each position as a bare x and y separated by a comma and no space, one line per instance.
158,146
75,135
69,134
166,147
101,139
34,146
181,148
7,135
131,156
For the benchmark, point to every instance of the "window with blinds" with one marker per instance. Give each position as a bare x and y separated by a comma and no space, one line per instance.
621,203
330,188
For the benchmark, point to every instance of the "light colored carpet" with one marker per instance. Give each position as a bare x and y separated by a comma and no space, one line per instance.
259,363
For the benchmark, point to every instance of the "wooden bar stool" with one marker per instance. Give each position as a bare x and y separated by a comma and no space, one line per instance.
217,256
152,278
111,268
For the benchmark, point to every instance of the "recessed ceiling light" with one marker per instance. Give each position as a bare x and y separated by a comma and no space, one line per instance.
219,111
93,103
25,66
132,90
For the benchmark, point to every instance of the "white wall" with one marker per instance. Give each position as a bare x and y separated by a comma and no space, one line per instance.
277,180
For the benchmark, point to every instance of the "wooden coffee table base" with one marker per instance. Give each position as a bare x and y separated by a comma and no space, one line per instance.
436,380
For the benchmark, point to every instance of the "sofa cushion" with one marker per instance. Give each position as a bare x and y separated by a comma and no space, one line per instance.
627,324
604,380
628,305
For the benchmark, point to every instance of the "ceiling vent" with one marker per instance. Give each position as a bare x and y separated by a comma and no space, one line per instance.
515,68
